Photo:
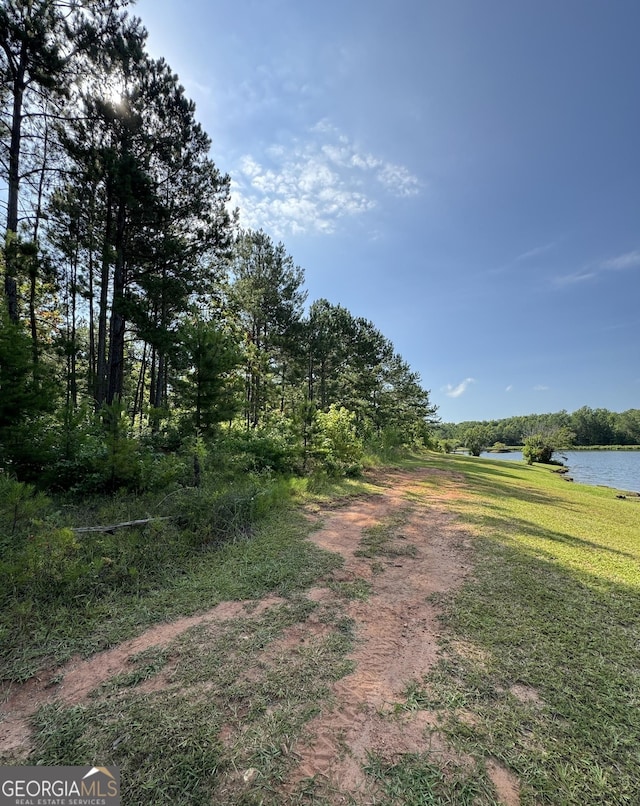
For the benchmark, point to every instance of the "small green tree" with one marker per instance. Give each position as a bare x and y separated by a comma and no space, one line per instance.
338,443
476,439
120,466
208,386
540,447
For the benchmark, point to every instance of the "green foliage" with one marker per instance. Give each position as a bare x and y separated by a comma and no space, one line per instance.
590,427
207,389
19,393
26,393
218,512
448,445
272,447
39,559
20,505
149,334
120,464
337,443
541,447
537,448
267,298
476,439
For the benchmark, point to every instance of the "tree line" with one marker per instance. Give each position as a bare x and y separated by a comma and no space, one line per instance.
138,319
584,427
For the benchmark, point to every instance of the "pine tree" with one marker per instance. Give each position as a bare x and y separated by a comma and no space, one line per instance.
268,298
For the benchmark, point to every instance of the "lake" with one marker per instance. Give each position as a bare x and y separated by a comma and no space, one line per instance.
619,469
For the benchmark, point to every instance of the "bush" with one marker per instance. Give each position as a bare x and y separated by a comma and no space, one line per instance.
537,449
39,559
476,439
541,446
216,513
273,447
337,444
20,506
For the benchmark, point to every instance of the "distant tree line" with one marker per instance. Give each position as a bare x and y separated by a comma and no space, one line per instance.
138,321
583,427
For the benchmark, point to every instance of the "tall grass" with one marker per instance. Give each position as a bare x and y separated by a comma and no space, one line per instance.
63,592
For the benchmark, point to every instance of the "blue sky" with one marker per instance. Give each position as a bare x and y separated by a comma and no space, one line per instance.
465,174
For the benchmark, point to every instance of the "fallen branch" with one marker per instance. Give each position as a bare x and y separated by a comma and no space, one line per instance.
112,528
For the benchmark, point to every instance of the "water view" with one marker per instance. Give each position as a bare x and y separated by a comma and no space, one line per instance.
619,469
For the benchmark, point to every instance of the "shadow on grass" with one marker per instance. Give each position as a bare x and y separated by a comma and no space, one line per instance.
509,479
572,642
523,528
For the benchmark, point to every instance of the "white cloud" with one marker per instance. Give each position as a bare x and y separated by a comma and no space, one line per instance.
539,250
310,186
624,262
540,388
398,180
576,277
630,260
460,389
509,388
198,88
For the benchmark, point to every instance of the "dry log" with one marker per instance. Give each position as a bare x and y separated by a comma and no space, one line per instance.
114,526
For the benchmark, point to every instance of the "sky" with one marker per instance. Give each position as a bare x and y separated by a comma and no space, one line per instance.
464,174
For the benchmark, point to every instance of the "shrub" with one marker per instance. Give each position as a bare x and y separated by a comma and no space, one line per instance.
273,447
476,439
216,513
337,443
541,446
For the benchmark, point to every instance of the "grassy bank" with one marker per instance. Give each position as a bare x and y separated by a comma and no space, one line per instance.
542,669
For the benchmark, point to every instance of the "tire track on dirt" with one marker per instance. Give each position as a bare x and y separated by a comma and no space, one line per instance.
71,683
397,631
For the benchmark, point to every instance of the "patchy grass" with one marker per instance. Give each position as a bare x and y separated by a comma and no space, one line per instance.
275,559
542,667
357,589
384,539
222,726
415,780
539,674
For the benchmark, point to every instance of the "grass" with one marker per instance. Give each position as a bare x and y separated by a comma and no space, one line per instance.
417,781
542,667
240,680
276,560
539,672
380,540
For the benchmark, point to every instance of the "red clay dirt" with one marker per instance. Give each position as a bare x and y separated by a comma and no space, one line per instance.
78,678
398,634
397,639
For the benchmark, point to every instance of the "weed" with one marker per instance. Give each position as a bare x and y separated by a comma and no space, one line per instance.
381,539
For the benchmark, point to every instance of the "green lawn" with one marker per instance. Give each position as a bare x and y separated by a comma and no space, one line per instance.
542,670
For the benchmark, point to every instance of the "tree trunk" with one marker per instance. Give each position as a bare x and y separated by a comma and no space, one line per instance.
139,399
33,268
118,323
101,369
13,189
91,372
